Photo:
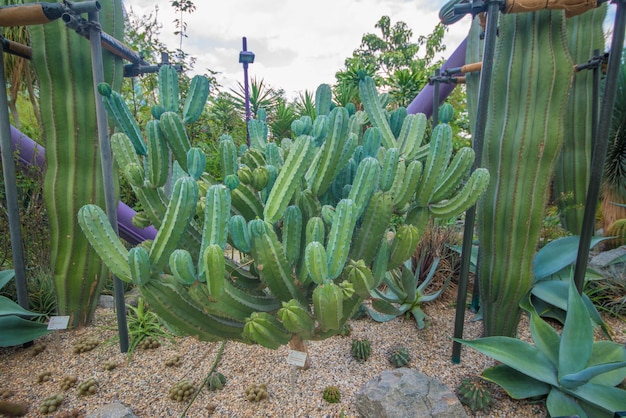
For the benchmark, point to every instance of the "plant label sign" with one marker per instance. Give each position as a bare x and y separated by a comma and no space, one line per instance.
296,358
58,322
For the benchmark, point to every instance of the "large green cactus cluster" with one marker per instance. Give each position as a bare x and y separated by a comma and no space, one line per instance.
310,216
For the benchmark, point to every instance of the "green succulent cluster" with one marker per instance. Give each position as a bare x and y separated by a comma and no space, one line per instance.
109,365
331,394
312,214
361,349
149,343
182,391
50,404
174,361
474,393
256,392
85,344
88,387
38,349
68,382
44,376
346,330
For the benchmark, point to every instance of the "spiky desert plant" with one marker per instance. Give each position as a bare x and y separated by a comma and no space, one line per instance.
531,78
474,393
361,349
571,175
312,215
576,374
73,176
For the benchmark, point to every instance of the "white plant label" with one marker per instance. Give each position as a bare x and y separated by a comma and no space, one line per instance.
296,358
58,322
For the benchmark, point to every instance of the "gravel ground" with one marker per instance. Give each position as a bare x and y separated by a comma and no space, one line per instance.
143,382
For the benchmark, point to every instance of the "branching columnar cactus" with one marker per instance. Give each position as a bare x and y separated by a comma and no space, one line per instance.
532,76
73,171
311,215
585,34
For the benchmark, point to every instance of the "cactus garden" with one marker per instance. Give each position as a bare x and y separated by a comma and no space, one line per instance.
274,264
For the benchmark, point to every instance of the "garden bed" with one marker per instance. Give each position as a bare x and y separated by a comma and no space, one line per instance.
143,382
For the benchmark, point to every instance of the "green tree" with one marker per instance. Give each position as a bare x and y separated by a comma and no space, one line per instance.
398,64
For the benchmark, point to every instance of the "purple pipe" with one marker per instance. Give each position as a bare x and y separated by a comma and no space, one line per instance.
423,102
30,154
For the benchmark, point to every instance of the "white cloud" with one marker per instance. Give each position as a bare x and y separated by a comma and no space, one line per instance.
298,45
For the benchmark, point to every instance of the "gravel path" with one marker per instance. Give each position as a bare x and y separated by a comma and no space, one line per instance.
143,382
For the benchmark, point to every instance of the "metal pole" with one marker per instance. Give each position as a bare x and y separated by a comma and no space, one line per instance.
10,187
246,90
600,145
106,161
493,10
435,117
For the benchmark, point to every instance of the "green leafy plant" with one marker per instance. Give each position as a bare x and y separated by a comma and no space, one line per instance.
145,328
404,294
15,329
577,374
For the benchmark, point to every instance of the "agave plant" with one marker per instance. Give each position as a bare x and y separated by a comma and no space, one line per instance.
577,375
404,294
15,329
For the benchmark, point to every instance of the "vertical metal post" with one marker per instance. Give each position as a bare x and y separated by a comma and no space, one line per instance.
106,161
10,187
600,144
246,90
493,11
435,117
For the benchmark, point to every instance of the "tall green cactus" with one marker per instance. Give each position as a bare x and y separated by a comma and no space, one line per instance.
73,176
306,274
571,175
525,128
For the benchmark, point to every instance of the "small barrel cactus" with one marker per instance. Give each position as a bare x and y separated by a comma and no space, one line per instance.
331,394
216,381
44,377
474,393
346,330
182,391
361,349
256,392
399,356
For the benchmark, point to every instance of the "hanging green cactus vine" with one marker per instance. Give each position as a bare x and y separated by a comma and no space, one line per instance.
311,218
525,126
73,174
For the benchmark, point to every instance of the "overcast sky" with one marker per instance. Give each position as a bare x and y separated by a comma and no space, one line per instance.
298,44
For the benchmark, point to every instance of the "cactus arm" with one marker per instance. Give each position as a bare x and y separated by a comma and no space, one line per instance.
436,163
97,228
455,173
180,210
168,88
173,304
375,111
196,99
464,199
246,203
158,156
288,179
532,75
373,227
274,269
292,233
406,190
176,137
340,237
412,135
323,100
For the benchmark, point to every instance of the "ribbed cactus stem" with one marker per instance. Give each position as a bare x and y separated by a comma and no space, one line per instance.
571,175
532,76
73,175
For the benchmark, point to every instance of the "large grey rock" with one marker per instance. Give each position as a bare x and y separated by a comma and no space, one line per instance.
407,393
112,410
